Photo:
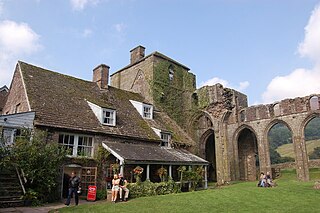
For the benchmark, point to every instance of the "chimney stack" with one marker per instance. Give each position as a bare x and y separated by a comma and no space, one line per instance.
101,76
137,53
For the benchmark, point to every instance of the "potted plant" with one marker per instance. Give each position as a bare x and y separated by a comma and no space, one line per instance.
29,197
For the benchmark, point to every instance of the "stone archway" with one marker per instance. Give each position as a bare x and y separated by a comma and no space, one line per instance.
209,153
247,153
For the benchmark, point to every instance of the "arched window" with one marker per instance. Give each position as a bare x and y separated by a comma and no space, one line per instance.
314,103
276,109
171,72
242,116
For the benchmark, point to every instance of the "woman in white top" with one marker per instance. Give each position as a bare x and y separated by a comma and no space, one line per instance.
115,187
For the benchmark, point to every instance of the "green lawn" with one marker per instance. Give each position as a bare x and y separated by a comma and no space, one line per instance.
286,150
289,196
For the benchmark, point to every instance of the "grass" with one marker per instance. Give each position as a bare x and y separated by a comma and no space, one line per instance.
287,150
289,196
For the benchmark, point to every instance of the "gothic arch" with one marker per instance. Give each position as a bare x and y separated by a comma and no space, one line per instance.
246,151
305,122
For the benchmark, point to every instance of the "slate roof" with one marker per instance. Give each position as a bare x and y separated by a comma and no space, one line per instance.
151,154
61,101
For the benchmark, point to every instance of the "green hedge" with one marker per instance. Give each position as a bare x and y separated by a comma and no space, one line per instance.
148,188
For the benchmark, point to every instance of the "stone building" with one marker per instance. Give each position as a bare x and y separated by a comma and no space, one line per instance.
212,122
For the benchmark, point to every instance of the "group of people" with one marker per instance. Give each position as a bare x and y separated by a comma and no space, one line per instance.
265,180
119,185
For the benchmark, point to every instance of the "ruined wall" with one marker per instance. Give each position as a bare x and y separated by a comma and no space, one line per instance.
17,99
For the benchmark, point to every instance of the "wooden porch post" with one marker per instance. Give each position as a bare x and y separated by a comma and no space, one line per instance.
148,172
121,167
170,171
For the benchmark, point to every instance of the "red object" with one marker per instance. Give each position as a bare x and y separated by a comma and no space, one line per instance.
92,193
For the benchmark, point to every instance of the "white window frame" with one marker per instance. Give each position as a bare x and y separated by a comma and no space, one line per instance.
140,108
75,146
165,140
147,113
112,118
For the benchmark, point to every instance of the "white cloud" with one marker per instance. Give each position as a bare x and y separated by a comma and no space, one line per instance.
87,33
81,4
300,82
120,27
310,47
241,87
16,40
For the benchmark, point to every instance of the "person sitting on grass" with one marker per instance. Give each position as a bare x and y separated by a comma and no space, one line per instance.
262,180
269,182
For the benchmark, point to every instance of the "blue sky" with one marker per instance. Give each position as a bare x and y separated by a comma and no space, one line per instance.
267,49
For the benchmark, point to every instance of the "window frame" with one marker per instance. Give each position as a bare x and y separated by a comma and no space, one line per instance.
147,114
165,142
75,146
104,117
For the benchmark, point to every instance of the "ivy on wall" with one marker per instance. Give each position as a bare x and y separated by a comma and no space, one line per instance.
170,95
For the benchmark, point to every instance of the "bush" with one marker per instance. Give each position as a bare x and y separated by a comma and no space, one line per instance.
101,194
147,188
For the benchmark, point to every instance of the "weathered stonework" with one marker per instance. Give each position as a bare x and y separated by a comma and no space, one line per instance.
219,116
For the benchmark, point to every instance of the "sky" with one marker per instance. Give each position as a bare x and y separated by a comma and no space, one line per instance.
266,49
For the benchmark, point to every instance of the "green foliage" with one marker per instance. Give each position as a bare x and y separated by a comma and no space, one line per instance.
312,130
101,194
169,95
147,188
315,154
39,162
276,157
290,196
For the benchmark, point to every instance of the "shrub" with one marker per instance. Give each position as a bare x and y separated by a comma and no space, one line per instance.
147,188
101,194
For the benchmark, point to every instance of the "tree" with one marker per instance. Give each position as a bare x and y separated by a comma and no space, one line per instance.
40,162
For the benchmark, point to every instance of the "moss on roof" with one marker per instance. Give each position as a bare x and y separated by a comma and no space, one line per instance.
61,101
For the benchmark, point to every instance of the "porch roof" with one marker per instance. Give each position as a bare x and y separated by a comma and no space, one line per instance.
131,153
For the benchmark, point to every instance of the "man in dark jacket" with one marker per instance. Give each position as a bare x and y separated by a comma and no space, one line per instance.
74,187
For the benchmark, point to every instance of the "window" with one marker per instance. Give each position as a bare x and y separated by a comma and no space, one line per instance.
77,145
17,108
109,117
165,137
276,109
314,103
171,72
104,115
84,146
147,111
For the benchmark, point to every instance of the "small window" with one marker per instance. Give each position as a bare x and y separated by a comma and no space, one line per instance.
165,137
109,117
242,116
17,109
147,111
276,109
171,72
314,103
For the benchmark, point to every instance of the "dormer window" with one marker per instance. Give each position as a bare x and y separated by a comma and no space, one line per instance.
106,116
165,139
109,117
145,110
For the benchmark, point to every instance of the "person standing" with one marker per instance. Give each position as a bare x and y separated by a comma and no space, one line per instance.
123,187
74,187
115,188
